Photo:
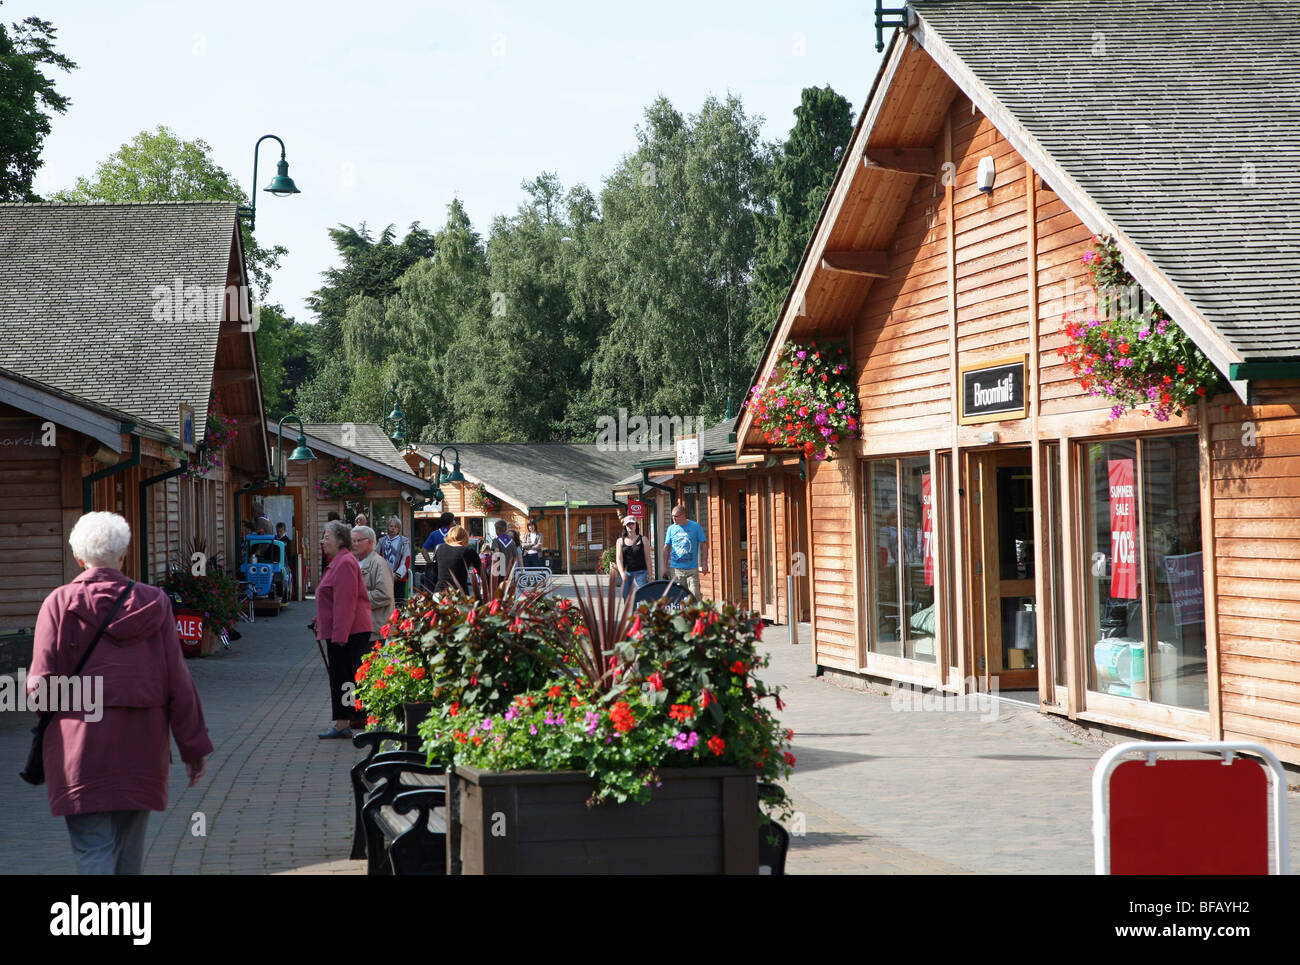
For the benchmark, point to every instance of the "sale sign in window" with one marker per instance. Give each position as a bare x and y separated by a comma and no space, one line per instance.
1123,530
927,528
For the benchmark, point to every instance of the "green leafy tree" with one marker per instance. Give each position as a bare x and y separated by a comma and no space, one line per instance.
371,268
798,183
27,99
283,347
159,166
677,244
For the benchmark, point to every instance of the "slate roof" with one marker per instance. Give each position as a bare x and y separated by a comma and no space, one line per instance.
714,446
371,448
77,300
1184,129
369,439
535,473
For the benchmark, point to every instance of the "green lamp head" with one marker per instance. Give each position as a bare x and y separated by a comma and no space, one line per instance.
282,185
455,475
302,453
399,434
397,415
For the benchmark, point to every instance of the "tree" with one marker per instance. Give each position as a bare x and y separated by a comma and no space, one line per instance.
159,166
27,97
371,267
798,183
676,243
283,347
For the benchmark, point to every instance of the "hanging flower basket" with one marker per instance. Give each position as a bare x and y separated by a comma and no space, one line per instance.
809,401
482,500
220,435
1132,354
344,481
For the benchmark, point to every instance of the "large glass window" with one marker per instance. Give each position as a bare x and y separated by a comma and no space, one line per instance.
1056,582
899,507
1146,602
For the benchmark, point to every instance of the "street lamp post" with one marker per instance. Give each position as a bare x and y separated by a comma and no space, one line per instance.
281,185
397,417
301,452
568,541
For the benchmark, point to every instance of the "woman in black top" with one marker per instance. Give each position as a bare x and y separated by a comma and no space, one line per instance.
455,561
631,557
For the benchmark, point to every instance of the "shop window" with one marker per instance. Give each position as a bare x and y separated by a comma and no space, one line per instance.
900,535
1146,603
1056,582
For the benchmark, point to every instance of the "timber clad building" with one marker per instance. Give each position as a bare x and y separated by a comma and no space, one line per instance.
994,525
111,317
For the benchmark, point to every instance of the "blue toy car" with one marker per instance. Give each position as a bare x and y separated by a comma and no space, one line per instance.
266,569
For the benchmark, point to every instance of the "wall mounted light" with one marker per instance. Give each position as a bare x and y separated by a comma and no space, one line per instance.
986,175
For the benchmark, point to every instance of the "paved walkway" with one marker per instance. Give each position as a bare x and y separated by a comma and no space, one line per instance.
876,790
886,791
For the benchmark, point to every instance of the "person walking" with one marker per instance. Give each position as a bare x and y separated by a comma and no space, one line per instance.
435,539
505,550
396,551
457,563
106,770
343,621
377,576
630,557
532,545
684,552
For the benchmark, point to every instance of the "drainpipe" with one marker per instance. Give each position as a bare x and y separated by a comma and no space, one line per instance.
88,482
144,514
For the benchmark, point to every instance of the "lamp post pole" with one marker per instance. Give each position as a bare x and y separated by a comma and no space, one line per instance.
281,185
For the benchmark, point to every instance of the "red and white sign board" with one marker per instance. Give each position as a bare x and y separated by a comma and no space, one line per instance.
927,528
636,508
1195,816
189,627
1123,531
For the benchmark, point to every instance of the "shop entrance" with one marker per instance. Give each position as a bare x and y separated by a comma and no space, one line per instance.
1004,635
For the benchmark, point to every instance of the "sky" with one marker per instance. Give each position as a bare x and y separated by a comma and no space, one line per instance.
389,110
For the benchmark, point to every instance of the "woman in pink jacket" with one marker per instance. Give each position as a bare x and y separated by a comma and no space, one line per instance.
343,621
106,762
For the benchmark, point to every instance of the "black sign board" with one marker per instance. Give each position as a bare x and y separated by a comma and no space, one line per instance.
994,390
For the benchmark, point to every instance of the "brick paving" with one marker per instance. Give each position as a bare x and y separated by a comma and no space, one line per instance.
876,790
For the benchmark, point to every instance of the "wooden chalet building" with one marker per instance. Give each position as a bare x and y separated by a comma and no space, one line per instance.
394,490
754,516
1179,141
530,481
111,317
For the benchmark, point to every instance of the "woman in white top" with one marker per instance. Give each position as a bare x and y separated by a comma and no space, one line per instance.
532,544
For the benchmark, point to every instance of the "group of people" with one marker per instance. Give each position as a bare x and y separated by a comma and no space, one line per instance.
454,562
685,558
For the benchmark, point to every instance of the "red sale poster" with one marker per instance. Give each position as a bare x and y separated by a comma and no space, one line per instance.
927,528
1123,530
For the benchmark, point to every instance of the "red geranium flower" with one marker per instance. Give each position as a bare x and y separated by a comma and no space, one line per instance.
417,673
390,670
717,745
454,710
554,691
356,704
738,666
789,758
682,712
372,720
621,715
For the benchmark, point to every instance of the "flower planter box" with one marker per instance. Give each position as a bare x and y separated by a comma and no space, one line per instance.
702,820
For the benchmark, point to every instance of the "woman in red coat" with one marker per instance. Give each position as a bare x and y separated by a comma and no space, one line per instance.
343,621
106,762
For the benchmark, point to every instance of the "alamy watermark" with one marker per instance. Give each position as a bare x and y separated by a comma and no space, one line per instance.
195,303
642,433
54,693
913,698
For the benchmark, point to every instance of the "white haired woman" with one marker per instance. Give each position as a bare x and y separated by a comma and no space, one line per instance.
107,769
342,620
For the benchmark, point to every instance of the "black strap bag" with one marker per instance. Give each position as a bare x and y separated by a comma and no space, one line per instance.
34,772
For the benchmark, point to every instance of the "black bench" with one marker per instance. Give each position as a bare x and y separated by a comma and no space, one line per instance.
397,840
372,740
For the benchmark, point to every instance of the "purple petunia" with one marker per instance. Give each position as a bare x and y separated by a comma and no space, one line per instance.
684,742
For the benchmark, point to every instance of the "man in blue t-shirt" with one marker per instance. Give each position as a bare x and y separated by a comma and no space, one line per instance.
685,555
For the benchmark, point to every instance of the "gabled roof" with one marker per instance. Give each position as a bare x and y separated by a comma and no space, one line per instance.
364,438
1173,125
531,474
1179,120
367,451
716,446
78,300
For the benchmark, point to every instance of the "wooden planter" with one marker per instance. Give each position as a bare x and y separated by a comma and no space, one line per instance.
703,820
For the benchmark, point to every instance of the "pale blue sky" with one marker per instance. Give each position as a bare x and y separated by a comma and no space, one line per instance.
390,109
